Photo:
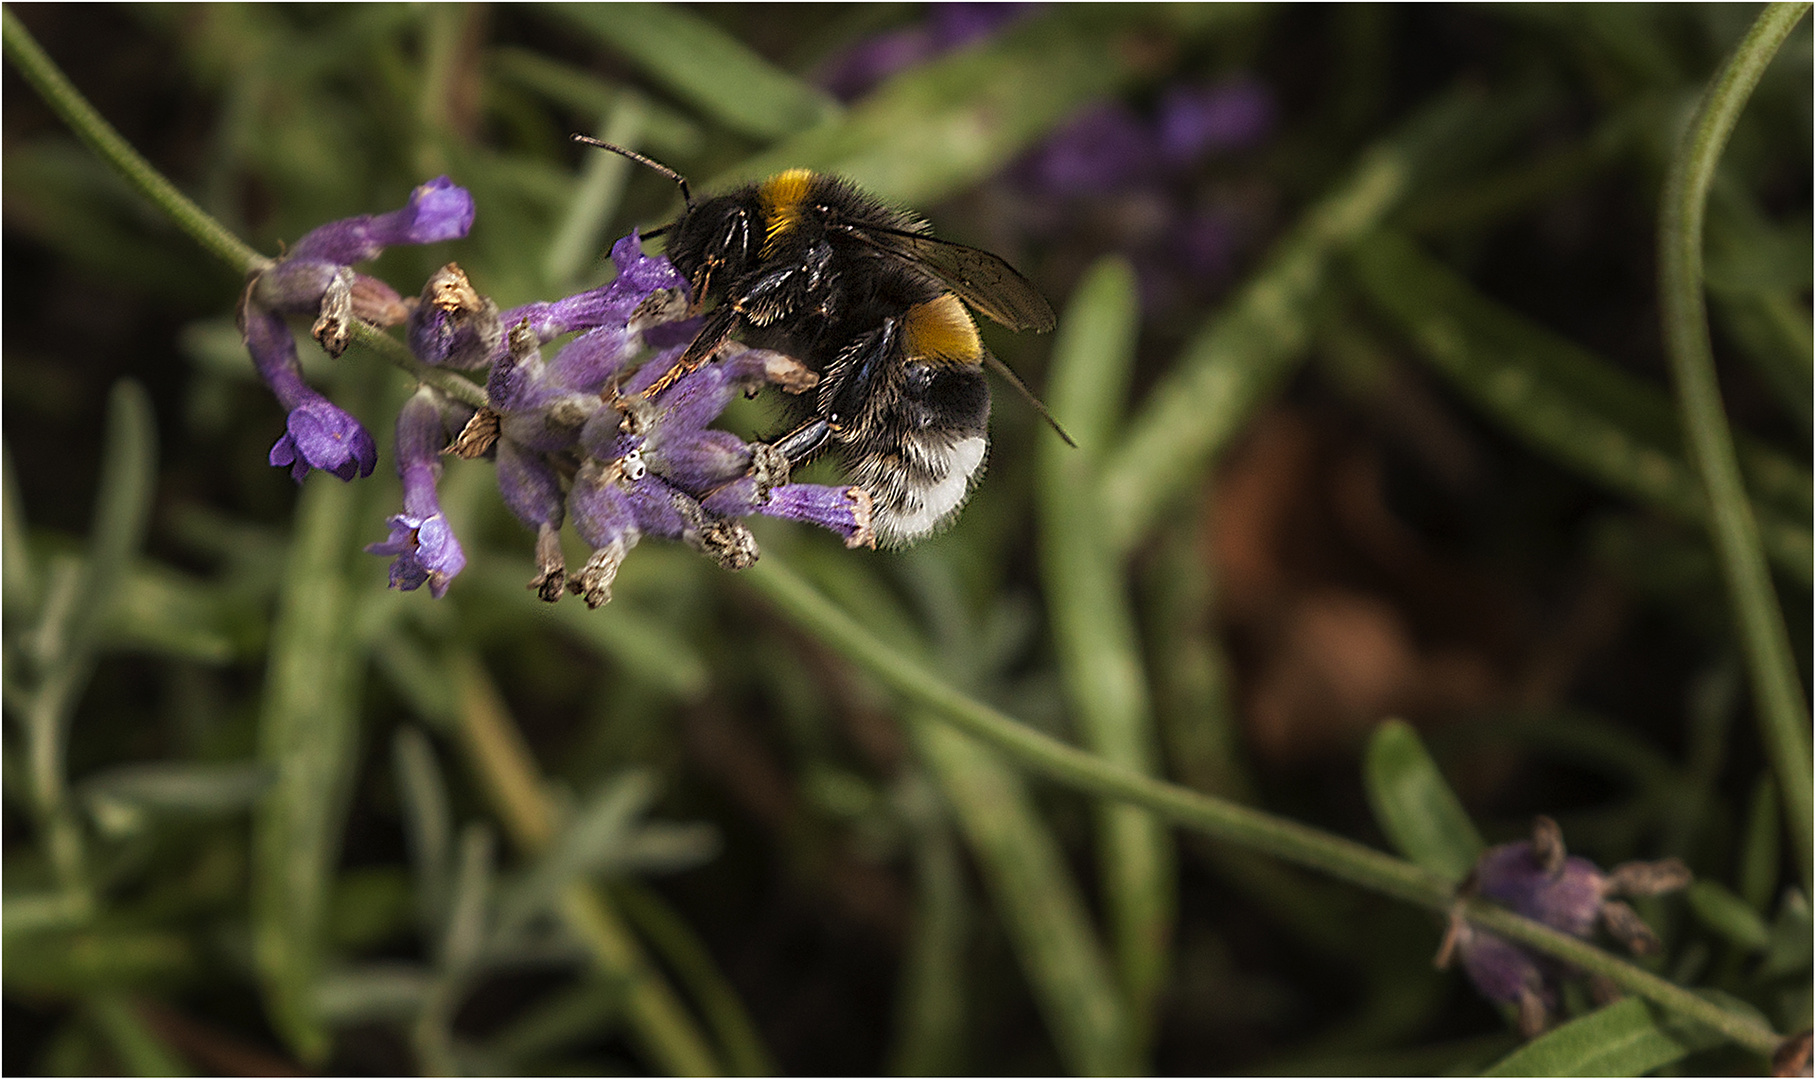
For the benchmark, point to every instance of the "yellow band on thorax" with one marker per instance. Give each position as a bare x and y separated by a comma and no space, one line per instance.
784,195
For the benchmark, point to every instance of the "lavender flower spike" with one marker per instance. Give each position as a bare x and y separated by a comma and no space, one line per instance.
422,544
317,434
1539,880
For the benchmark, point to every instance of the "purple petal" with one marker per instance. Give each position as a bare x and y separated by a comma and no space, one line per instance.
295,284
438,210
319,435
1569,899
613,303
529,485
600,507
1502,970
594,358
844,510
698,461
424,551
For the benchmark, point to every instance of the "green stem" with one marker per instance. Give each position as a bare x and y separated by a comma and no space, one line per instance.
1285,839
1737,1027
91,128
389,349
1779,700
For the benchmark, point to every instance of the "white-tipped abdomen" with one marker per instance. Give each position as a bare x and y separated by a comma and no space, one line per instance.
918,493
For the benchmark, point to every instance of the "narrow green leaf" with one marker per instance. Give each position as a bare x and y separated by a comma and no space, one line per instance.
128,482
19,585
1414,805
668,131
1759,847
1728,915
950,123
580,236
1789,950
932,994
428,824
596,834
704,65
1626,1038
1247,348
371,992
1094,626
307,732
158,609
1562,399
740,1043
1036,899
137,1047
661,847
180,786
29,913
78,601
464,937
96,960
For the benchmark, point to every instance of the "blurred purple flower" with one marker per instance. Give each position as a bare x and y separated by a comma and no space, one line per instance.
1106,148
863,66
1539,880
1195,121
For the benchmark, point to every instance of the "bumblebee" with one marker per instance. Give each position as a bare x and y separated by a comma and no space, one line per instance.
811,266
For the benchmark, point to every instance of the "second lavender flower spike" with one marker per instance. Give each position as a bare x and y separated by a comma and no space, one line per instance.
316,278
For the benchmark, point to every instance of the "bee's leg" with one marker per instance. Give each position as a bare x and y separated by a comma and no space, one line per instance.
718,327
800,445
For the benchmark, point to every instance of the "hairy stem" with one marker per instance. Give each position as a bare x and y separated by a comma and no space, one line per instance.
1285,839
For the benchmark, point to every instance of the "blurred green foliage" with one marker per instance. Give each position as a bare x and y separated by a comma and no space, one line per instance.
263,815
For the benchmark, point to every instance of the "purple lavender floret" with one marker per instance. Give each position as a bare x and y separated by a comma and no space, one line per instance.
452,325
438,210
422,544
1537,879
317,434
639,278
1568,897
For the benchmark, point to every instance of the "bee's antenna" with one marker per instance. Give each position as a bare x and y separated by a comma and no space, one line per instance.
1022,388
686,196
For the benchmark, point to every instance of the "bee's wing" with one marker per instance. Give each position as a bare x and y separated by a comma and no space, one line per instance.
982,280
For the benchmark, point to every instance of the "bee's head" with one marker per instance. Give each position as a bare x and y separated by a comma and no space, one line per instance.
923,448
716,236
